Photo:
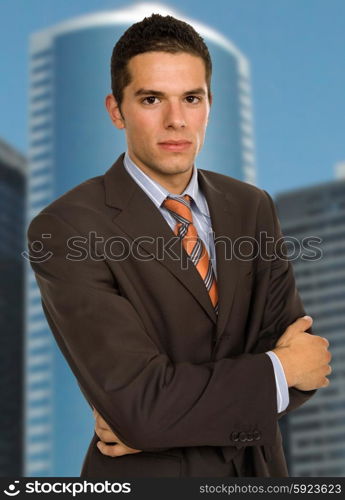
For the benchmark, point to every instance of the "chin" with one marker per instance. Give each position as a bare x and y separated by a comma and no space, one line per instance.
179,161
178,169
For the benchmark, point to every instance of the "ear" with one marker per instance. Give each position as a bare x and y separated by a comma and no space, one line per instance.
210,99
114,111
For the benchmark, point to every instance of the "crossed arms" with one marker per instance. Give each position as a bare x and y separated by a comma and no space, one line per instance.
139,392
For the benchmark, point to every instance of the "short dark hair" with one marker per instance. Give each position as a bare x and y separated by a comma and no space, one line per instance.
155,33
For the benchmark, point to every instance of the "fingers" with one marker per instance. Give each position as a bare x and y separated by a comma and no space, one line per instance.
103,430
100,422
115,450
326,381
322,340
106,436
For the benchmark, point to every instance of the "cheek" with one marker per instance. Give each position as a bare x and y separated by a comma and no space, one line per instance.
200,122
200,132
200,125
143,127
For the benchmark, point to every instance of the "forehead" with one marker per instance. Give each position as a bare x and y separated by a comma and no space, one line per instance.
162,69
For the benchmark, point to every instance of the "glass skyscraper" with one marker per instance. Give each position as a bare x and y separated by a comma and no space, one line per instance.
72,139
316,431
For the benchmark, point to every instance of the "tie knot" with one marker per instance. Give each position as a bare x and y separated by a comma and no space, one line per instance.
179,208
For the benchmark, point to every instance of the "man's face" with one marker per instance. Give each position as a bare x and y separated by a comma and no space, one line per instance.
165,110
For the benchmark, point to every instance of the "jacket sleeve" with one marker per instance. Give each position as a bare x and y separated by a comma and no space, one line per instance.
283,306
149,401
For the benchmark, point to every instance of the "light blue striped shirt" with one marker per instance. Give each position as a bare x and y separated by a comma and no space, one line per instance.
202,222
199,207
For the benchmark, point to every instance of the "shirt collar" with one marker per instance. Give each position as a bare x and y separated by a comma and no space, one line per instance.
158,193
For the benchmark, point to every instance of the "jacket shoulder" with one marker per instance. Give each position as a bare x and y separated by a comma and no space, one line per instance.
81,203
235,187
251,202
85,194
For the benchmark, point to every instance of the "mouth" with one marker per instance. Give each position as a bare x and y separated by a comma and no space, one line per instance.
180,145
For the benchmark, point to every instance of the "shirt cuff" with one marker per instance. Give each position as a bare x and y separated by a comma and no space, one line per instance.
281,384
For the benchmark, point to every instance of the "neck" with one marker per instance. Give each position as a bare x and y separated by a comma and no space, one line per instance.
175,184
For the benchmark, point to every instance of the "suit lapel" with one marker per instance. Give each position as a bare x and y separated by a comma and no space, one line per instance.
140,219
226,227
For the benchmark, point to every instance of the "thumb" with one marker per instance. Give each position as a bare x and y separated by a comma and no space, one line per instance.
305,322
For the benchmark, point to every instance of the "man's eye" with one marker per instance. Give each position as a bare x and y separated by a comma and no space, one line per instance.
193,99
149,100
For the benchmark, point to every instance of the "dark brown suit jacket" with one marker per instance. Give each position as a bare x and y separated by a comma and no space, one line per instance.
134,321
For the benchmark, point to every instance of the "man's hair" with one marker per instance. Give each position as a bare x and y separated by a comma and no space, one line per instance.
155,33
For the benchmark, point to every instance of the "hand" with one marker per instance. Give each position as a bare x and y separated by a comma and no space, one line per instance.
304,357
106,436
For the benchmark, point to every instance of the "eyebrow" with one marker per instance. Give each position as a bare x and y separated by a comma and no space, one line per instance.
158,93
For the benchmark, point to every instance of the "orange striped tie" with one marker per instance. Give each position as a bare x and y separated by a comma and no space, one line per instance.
194,246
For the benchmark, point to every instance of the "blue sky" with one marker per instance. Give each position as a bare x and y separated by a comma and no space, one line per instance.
296,49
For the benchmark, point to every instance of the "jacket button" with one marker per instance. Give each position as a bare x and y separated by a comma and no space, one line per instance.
242,437
257,435
249,436
234,436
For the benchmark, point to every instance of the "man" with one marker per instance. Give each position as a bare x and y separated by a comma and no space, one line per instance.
187,350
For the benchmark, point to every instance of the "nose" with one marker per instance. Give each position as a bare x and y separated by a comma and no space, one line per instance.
174,115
